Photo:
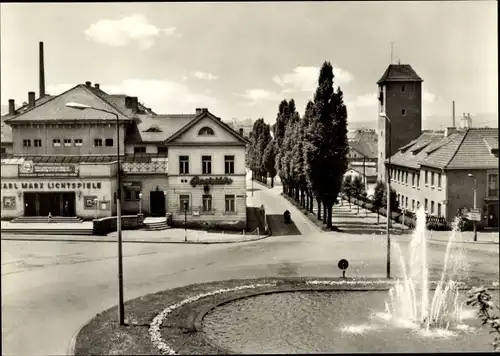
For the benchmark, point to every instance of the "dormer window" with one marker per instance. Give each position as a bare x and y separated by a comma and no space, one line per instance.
154,128
206,131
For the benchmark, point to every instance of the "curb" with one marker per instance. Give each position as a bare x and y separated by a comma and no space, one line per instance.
12,238
262,184
72,343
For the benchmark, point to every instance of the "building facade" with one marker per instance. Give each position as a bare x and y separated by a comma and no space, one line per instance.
400,98
433,171
63,160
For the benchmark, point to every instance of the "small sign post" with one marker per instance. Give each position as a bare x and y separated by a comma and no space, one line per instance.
343,264
474,215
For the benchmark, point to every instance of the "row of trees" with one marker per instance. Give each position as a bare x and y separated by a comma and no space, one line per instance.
308,153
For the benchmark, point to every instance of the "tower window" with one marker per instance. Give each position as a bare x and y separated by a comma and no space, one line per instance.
403,88
403,112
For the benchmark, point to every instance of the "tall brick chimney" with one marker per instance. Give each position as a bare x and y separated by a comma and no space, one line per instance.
97,86
12,107
31,99
42,71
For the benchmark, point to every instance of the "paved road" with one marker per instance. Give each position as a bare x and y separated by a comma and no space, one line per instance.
49,289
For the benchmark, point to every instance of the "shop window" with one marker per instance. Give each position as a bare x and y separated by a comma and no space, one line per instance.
206,163
67,142
97,142
229,203
37,143
78,142
162,149
207,203
206,131
183,164
141,149
183,200
26,143
229,164
109,142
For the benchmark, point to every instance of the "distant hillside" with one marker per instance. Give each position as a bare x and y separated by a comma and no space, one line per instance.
438,122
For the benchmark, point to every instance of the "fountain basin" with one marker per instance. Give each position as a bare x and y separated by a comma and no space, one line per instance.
331,321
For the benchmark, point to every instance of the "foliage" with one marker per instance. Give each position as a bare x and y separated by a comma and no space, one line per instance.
479,297
269,159
378,196
347,186
358,188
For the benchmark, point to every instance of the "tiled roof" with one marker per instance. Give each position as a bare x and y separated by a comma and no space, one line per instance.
6,130
167,124
55,108
464,149
365,148
492,142
370,171
139,158
399,73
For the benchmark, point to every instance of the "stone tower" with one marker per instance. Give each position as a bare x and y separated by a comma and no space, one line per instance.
400,98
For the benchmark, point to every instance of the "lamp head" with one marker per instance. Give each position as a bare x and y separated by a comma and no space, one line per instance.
140,195
470,175
77,106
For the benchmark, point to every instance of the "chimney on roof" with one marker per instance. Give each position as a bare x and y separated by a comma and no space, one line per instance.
12,107
131,102
198,111
41,71
135,104
241,131
449,130
31,99
88,84
466,121
97,86
204,109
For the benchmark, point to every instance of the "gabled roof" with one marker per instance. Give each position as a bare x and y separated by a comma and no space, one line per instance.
55,108
167,124
198,117
370,171
399,73
6,130
465,149
367,149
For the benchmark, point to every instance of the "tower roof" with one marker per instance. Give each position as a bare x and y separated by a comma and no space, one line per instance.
399,73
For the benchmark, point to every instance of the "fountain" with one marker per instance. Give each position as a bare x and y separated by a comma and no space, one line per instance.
409,300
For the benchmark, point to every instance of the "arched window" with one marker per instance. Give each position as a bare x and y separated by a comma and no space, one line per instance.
206,131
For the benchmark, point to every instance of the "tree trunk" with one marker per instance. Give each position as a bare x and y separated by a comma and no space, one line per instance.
319,208
303,197
324,213
329,220
272,182
297,193
311,202
378,217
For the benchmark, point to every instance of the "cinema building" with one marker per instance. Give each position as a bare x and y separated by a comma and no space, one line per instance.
63,161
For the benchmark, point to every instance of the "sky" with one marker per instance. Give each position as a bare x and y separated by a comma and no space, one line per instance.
240,60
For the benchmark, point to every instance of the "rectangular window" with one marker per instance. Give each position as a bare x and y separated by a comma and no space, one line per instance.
432,179
67,142
418,180
426,205
184,203
37,143
439,209
27,143
399,198
141,149
406,203
403,112
418,204
162,149
229,164
2,150
109,142
183,164
432,207
413,179
56,142
97,142
492,185
78,142
413,204
207,203
229,203
426,178
406,178
439,180
206,164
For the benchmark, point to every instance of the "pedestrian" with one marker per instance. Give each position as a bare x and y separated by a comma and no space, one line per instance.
49,217
66,208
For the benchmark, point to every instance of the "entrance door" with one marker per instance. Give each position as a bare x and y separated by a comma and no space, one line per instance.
68,200
30,204
157,202
493,215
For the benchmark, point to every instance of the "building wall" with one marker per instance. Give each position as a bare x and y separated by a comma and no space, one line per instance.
47,133
150,183
404,128
151,148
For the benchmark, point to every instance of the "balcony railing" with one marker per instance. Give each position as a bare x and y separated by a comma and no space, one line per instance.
145,167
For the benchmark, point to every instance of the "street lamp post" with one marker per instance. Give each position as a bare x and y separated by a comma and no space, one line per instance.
388,174
185,221
475,204
121,307
140,203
